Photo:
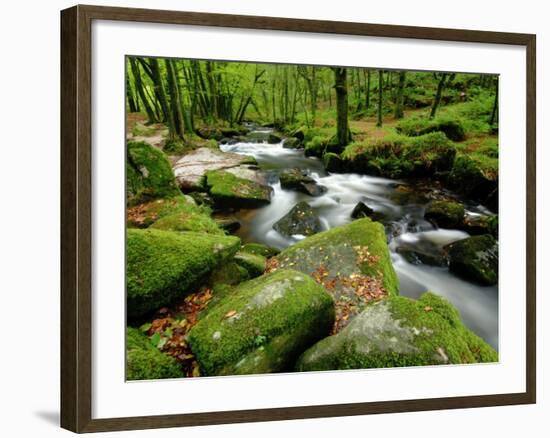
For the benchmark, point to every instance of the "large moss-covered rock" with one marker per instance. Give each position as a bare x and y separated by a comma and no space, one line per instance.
475,259
333,162
452,128
230,191
161,265
445,214
300,220
190,170
193,220
475,176
400,331
145,362
357,248
400,156
263,325
148,174
144,215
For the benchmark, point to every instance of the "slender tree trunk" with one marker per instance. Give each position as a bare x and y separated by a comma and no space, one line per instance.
380,96
340,85
438,95
159,91
367,103
141,91
494,112
175,100
398,114
132,103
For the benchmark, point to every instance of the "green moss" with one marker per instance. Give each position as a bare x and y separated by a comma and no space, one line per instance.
228,190
140,130
144,215
188,221
230,273
161,265
446,214
176,147
475,258
398,156
259,249
253,263
333,162
340,251
263,325
315,147
399,332
148,174
145,362
474,175
415,126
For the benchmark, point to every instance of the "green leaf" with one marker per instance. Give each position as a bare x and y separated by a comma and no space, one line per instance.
155,339
145,327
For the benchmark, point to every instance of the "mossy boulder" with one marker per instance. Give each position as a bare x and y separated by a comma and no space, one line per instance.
475,259
445,214
333,162
475,177
260,249
230,274
296,179
478,224
300,220
416,126
144,215
263,325
397,332
188,221
274,138
399,156
230,191
315,147
190,170
145,362
349,260
162,265
148,174
254,264
293,143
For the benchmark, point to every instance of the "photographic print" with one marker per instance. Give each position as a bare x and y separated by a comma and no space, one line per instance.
295,218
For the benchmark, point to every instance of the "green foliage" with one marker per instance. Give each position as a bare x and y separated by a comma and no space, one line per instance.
263,325
415,126
427,331
162,265
148,174
145,362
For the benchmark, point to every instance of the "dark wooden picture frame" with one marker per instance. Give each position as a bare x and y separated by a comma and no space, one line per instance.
76,217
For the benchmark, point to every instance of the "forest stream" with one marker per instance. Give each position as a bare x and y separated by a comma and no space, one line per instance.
403,219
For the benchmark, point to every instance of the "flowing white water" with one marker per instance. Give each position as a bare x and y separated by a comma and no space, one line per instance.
405,226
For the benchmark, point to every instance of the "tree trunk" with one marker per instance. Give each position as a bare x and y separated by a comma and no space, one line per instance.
175,100
159,91
132,104
367,103
398,114
494,112
380,96
438,95
141,92
340,85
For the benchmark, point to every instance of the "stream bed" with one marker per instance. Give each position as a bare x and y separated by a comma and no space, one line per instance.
402,206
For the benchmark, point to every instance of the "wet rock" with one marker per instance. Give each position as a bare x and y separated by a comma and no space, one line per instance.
229,224
475,259
301,220
210,133
295,179
293,143
445,214
263,325
333,163
477,225
202,198
257,137
475,179
232,192
399,332
274,138
190,170
423,252
260,249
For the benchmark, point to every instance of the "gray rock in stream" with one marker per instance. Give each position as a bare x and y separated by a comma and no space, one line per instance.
301,220
296,179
